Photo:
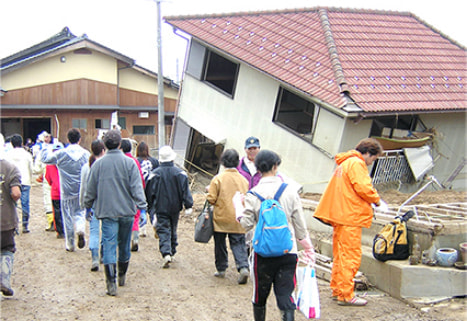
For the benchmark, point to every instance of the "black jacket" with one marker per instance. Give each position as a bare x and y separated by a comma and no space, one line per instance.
167,190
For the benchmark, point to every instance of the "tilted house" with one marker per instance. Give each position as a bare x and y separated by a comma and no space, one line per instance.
310,83
68,81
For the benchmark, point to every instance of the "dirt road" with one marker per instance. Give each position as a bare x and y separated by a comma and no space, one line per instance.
52,284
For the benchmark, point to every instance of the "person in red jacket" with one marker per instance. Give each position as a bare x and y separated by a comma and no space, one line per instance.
346,205
52,177
125,146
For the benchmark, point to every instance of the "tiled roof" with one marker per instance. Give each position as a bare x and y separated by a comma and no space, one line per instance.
384,61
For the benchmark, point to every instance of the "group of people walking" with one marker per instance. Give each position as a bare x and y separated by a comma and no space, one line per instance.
117,193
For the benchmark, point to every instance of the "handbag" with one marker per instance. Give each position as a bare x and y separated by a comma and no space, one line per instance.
308,293
203,224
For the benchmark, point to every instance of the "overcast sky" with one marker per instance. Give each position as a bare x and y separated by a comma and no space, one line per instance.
130,26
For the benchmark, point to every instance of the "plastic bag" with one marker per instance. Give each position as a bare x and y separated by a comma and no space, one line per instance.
203,225
307,292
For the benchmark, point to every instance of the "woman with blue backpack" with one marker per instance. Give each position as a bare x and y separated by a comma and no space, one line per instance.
276,211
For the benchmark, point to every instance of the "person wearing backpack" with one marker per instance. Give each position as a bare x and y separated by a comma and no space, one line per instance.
274,271
346,205
221,190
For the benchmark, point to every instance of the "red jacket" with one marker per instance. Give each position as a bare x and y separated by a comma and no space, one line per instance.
52,177
348,197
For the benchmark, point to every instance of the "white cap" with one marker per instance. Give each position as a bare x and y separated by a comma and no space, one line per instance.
166,154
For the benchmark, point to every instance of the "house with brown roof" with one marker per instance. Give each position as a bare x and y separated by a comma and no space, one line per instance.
310,83
69,81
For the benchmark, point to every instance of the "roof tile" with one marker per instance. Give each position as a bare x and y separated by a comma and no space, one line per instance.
389,61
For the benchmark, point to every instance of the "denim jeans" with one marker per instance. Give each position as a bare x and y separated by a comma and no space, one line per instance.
94,233
25,189
116,232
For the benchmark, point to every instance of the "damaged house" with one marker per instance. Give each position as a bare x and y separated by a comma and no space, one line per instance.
310,83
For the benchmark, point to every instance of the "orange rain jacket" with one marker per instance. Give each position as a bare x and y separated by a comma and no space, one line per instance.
349,194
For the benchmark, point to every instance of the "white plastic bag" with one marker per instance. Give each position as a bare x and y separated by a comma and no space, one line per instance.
307,292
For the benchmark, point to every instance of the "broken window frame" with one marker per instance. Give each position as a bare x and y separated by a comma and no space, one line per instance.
289,102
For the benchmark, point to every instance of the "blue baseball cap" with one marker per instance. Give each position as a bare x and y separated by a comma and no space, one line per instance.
252,142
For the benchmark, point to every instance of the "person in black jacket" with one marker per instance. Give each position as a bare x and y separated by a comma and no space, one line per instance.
167,191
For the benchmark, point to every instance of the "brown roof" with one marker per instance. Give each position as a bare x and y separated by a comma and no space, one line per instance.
385,61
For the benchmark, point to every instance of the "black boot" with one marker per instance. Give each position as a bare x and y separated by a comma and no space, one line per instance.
110,278
259,313
288,315
122,268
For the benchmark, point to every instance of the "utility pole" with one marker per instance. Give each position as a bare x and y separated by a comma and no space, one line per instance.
160,79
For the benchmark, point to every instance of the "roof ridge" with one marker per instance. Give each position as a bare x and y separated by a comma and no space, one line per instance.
332,49
284,11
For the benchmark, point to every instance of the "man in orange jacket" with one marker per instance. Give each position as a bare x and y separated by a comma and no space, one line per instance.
346,205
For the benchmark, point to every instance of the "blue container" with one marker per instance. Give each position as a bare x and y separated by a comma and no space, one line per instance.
446,256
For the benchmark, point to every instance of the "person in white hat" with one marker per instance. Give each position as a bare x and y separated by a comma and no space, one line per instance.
167,202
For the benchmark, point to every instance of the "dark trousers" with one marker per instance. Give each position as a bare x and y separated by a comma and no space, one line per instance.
8,240
238,247
58,221
278,272
166,228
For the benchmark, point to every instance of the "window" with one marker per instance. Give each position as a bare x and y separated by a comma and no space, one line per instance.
220,72
102,123
208,66
143,130
396,126
122,122
295,113
81,123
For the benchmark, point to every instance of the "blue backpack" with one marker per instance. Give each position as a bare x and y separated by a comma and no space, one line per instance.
272,235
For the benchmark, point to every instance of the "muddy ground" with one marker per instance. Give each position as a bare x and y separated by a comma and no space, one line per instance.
52,284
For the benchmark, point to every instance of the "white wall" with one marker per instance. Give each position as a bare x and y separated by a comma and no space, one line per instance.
449,145
250,113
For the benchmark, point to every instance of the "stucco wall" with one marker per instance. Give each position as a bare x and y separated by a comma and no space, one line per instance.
250,113
94,67
134,80
450,145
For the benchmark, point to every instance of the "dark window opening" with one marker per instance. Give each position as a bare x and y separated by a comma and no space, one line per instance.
122,122
396,126
143,130
221,72
102,123
295,113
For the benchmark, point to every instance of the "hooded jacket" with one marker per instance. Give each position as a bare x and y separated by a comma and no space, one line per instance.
69,162
348,197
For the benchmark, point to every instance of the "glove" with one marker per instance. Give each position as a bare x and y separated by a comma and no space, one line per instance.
237,200
89,214
143,219
308,256
188,211
383,207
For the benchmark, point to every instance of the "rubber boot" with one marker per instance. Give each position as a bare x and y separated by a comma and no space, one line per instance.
5,275
50,222
25,228
134,241
259,313
122,268
94,260
288,315
110,279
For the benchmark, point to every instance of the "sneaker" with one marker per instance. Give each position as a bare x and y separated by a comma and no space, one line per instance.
244,274
356,302
166,262
220,274
50,228
81,241
60,236
70,249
